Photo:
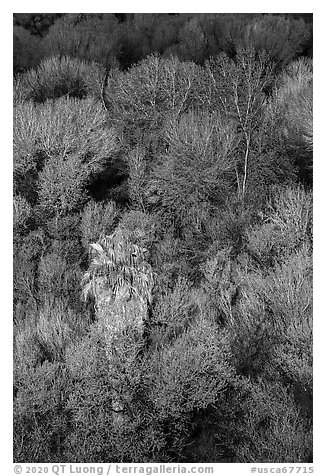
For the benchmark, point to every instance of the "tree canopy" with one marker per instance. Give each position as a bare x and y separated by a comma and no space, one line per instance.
162,214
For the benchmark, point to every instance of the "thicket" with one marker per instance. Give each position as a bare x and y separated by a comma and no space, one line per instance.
162,238
123,39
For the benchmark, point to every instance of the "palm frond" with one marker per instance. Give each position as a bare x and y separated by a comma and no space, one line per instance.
118,267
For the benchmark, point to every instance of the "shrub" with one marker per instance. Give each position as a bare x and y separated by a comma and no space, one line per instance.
255,331
63,230
218,284
272,325
140,98
58,279
111,417
36,23
40,421
165,33
87,37
189,377
272,429
69,193
67,140
27,51
98,218
44,335
291,215
141,226
282,38
52,270
200,158
89,404
196,342
27,159
166,258
288,295
173,312
292,108
26,350
62,76
22,213
136,182
27,252
193,41
286,228
57,326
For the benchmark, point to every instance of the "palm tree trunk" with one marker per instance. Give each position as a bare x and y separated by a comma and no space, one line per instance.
114,319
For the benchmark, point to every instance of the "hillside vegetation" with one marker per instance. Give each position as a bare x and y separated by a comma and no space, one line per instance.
162,238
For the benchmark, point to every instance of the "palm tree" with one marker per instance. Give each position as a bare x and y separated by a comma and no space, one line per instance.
120,280
118,272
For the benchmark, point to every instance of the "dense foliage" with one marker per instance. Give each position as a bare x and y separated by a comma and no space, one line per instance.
162,238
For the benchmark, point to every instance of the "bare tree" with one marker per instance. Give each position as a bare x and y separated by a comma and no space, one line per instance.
237,88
